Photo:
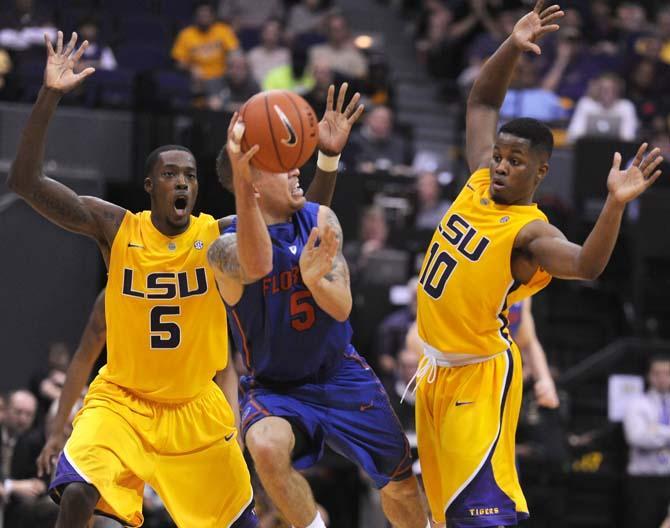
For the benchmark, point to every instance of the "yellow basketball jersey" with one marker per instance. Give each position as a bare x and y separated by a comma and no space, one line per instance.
466,285
166,324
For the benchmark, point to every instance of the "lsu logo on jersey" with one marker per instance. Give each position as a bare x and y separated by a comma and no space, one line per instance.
440,264
166,285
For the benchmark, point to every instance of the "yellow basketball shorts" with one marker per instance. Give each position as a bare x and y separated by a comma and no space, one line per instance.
466,423
187,452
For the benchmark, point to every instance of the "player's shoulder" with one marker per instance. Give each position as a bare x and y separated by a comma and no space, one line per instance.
479,178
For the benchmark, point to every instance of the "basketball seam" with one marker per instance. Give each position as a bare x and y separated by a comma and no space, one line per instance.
302,130
272,133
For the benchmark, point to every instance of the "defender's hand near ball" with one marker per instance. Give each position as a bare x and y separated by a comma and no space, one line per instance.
239,161
335,126
59,73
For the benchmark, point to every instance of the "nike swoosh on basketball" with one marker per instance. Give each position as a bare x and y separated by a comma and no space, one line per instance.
292,139
138,246
459,403
227,438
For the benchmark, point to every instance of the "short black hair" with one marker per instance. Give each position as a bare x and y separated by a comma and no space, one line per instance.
152,158
540,136
224,170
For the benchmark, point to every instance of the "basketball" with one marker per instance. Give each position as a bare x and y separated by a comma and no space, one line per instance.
285,128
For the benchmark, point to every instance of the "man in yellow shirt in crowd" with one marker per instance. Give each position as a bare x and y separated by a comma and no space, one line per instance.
202,47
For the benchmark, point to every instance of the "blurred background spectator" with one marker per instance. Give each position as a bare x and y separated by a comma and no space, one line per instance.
270,53
647,428
340,52
431,206
603,112
377,142
202,49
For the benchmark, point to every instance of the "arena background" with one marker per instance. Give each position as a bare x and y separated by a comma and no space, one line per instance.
419,57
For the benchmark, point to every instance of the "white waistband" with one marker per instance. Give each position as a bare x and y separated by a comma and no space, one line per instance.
454,360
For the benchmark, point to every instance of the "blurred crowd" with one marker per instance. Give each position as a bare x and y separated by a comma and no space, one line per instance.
605,74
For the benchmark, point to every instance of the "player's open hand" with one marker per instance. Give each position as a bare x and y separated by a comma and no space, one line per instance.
336,124
536,25
46,462
59,73
626,185
317,261
240,162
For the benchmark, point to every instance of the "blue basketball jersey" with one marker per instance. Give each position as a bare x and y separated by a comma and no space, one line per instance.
277,326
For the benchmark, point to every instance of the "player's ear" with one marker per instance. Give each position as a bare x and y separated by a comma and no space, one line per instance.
148,184
542,171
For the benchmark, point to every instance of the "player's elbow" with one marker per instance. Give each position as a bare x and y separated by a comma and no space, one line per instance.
257,270
590,272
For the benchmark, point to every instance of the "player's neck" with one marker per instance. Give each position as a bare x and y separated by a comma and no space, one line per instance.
166,228
275,218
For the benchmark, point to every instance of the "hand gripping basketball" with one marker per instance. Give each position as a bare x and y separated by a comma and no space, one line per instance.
239,161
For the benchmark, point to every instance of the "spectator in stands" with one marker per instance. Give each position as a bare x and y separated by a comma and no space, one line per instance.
340,51
5,69
47,381
270,53
250,14
307,16
392,332
647,430
576,64
24,27
372,238
604,112
293,76
405,369
663,26
17,469
323,78
98,54
203,49
648,88
430,205
527,97
377,143
237,86
3,410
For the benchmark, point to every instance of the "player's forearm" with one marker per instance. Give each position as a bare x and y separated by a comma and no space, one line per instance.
491,86
76,377
228,382
254,247
598,247
538,361
333,297
322,187
26,170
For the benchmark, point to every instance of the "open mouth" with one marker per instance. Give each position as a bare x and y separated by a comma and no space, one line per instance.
296,190
498,185
180,205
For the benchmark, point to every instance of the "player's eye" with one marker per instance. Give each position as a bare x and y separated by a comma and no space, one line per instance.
169,174
496,158
515,162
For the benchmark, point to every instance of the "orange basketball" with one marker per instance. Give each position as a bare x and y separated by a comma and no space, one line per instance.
284,127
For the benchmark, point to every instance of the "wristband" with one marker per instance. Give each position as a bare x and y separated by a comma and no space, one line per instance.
328,163
9,486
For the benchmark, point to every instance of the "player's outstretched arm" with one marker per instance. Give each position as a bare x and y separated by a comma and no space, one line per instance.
549,248
334,130
81,214
324,269
488,92
78,372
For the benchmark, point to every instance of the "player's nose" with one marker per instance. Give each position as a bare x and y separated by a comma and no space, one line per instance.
294,173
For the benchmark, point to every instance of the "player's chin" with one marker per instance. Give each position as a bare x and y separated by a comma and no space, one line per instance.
298,202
